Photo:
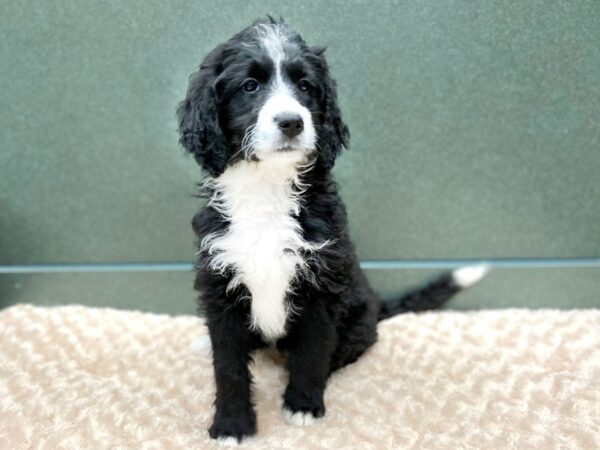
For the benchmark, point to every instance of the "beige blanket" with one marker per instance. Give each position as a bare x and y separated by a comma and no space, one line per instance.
80,378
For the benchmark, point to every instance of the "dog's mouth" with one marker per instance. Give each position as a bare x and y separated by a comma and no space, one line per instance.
278,150
287,148
283,146
291,145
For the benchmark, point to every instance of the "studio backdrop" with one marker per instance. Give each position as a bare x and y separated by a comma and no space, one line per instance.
475,134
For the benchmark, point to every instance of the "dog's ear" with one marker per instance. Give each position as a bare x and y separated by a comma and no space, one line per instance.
333,134
199,125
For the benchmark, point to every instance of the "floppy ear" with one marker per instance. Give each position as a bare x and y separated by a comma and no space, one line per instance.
199,127
333,134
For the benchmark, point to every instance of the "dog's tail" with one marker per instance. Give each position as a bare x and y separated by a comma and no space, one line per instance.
436,293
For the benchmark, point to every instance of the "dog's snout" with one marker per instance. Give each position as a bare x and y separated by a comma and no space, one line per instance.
290,124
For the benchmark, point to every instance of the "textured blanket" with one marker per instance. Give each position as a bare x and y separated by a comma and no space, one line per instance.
80,378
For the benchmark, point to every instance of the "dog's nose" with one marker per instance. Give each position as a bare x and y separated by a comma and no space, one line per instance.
290,124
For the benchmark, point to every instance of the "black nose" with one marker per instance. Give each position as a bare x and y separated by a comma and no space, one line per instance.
290,124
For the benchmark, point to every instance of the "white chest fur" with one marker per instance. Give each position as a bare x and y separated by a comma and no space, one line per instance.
263,243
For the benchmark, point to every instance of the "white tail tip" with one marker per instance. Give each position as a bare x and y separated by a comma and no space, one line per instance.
201,346
468,276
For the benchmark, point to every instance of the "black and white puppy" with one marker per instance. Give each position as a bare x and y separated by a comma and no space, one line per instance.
275,262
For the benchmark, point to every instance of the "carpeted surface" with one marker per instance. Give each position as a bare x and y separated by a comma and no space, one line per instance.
80,378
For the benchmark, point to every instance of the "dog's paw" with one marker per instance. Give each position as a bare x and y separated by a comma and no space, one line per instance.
229,441
298,418
303,407
232,430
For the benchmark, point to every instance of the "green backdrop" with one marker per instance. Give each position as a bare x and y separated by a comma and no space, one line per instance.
475,135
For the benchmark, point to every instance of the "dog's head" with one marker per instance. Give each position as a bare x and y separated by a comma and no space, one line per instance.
259,95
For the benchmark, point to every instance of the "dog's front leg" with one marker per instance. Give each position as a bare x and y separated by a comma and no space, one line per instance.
234,418
310,345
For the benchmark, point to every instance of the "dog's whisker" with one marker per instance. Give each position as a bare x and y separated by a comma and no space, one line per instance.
317,113
246,144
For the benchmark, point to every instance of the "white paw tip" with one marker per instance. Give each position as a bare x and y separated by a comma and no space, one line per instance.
228,441
201,346
468,276
299,418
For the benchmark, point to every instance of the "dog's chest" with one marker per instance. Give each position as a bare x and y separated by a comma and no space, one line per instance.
263,243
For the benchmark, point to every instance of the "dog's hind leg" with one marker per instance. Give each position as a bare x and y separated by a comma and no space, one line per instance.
357,334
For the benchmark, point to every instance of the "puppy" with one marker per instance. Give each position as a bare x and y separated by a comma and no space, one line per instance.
275,262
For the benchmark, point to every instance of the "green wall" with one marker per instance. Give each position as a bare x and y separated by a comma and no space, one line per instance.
475,134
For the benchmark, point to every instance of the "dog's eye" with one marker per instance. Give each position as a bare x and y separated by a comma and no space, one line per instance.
250,85
304,84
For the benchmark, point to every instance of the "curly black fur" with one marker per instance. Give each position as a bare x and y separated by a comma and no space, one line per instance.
336,310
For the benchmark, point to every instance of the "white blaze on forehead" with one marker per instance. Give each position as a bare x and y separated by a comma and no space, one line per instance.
272,39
